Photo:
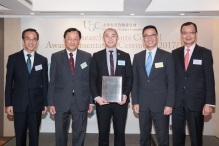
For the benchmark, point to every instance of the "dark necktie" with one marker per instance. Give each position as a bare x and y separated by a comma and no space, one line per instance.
71,61
29,63
111,64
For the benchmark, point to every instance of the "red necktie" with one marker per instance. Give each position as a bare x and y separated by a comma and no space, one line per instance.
71,61
187,59
111,63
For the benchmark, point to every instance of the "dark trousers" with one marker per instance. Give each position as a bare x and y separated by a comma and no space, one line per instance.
161,123
118,113
79,123
24,121
195,122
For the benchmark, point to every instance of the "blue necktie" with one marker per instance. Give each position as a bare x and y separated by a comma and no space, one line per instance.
29,63
149,63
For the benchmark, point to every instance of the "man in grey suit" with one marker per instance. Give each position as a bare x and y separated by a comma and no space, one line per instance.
153,88
69,92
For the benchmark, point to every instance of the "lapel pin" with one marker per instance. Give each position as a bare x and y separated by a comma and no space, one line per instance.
118,53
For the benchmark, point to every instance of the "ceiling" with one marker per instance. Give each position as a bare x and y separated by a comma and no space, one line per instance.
142,8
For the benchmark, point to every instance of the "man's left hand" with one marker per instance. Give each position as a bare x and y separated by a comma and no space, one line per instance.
44,111
123,100
207,110
167,110
91,108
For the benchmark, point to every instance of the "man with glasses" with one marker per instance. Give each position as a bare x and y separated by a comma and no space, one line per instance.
153,90
26,89
195,87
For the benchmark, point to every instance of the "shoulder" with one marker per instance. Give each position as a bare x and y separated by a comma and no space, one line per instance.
140,53
84,52
41,56
203,49
99,52
178,49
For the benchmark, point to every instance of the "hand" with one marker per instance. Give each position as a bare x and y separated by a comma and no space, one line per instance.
207,110
9,110
123,100
44,111
167,110
91,108
52,110
101,101
136,108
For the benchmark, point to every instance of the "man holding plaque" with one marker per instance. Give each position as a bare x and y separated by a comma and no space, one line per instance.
111,62
153,91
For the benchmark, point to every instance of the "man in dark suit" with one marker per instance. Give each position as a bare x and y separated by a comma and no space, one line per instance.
153,88
26,89
69,92
102,66
195,89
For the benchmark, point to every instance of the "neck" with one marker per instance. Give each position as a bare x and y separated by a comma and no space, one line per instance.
28,51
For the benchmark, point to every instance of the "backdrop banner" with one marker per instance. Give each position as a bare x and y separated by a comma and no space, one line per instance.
51,31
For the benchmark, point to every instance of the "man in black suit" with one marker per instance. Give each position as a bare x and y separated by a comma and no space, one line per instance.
195,89
153,88
69,92
26,89
102,66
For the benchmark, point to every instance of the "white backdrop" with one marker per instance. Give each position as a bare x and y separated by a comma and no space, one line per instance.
51,32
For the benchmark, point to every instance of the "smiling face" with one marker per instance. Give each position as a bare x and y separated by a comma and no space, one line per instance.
30,41
110,38
72,41
150,38
188,35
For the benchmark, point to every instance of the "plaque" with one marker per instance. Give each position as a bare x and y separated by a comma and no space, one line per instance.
112,88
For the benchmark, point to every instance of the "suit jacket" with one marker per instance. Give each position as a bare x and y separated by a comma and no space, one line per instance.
157,90
63,84
99,69
198,80
23,89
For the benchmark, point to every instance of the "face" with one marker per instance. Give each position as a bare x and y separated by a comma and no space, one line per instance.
188,35
110,39
150,38
30,41
72,41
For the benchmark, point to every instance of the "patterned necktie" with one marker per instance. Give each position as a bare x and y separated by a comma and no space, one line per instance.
111,64
29,63
187,59
149,63
71,61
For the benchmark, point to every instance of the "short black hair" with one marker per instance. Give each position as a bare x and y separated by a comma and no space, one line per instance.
30,29
72,29
189,23
147,27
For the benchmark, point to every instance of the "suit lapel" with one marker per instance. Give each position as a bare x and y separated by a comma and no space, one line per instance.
157,58
194,56
181,57
66,61
142,61
35,62
105,65
118,57
23,61
79,58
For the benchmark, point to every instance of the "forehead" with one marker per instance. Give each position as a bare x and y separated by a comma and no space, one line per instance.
72,33
188,27
110,31
149,30
30,33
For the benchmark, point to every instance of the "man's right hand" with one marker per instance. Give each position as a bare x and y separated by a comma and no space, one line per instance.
136,108
101,101
52,110
9,110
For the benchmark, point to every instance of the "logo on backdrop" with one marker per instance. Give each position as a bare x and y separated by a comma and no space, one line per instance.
91,26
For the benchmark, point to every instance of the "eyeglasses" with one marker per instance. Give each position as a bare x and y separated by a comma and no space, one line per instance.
29,39
150,36
188,33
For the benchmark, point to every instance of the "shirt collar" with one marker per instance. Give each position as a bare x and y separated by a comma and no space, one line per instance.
191,48
74,53
153,50
114,50
25,53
